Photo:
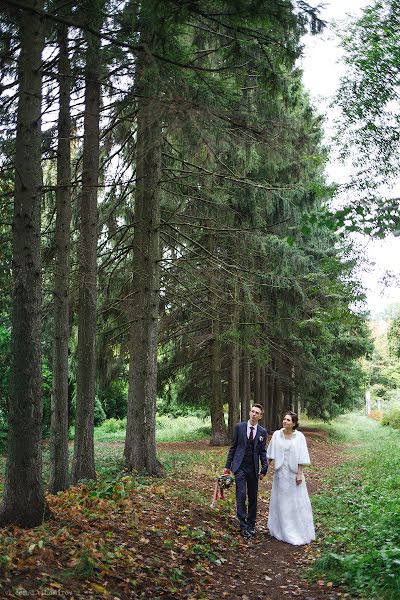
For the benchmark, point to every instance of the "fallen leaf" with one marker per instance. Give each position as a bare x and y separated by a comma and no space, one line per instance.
98,588
56,585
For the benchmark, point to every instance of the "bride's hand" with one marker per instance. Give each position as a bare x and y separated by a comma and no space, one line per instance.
299,479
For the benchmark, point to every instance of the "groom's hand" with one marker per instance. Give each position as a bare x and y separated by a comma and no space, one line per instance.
260,475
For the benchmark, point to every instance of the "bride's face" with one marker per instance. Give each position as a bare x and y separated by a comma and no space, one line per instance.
287,422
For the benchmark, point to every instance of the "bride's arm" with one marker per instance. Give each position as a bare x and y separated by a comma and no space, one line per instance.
299,475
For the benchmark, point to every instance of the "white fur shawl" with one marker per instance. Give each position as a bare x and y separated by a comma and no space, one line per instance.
298,454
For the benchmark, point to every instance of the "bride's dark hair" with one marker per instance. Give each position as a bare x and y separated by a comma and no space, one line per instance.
294,416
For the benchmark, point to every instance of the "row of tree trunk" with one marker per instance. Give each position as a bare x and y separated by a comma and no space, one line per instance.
249,381
23,501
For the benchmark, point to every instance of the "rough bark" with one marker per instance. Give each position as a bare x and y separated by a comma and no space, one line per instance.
272,396
234,397
23,502
219,436
243,390
263,393
258,398
278,393
140,443
292,395
296,404
257,384
234,376
83,466
247,383
59,408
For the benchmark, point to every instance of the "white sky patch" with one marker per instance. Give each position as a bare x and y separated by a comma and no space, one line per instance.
322,71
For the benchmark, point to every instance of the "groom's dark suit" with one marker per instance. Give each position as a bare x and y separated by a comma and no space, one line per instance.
243,459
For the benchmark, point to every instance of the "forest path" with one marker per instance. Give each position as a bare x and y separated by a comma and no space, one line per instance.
126,538
267,569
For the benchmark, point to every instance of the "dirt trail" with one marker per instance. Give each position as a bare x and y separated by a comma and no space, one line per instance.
264,568
267,569
161,540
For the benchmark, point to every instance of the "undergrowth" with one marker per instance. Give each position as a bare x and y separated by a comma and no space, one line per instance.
358,513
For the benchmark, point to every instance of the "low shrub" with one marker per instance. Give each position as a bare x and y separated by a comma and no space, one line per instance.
99,414
391,418
113,398
179,429
113,425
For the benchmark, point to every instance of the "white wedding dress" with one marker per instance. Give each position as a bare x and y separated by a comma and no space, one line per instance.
290,516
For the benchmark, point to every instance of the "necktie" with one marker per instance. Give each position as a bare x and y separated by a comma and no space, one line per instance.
251,433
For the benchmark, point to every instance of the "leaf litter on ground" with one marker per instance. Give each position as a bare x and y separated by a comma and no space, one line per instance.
142,537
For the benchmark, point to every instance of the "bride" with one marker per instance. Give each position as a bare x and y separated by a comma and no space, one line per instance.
290,515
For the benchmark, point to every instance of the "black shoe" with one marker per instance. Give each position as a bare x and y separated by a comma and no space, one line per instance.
245,534
252,531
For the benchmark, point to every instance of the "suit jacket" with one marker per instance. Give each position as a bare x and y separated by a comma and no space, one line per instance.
238,448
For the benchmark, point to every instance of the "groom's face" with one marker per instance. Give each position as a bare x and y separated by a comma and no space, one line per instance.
255,415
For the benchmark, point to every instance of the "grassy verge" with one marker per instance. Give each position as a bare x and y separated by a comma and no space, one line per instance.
109,459
168,429
358,513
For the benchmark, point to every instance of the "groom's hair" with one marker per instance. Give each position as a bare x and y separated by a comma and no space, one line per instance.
258,406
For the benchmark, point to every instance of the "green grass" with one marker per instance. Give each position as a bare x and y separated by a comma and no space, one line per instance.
109,459
358,514
182,429
168,429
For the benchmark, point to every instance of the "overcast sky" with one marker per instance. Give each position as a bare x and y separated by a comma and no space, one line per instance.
322,70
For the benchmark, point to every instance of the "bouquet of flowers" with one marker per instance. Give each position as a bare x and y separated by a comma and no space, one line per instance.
223,482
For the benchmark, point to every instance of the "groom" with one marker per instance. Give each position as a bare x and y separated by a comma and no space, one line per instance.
244,456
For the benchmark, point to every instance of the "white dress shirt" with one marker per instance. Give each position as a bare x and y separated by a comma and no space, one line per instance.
254,430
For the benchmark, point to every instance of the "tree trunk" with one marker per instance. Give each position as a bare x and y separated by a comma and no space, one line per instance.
23,502
296,405
234,398
272,397
268,407
243,389
292,395
59,412
247,383
218,426
140,443
234,378
83,462
262,398
257,384
278,399
286,386
263,391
